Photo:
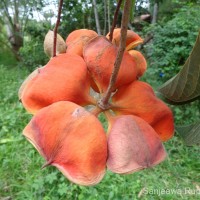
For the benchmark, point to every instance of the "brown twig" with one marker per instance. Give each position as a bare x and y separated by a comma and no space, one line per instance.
146,40
96,111
104,102
56,27
115,20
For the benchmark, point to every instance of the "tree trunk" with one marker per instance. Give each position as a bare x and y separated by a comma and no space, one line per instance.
155,13
13,28
15,39
96,17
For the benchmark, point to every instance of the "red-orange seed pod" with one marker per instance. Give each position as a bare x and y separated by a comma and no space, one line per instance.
138,99
71,139
64,77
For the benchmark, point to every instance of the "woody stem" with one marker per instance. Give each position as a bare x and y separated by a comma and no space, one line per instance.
115,20
56,27
103,103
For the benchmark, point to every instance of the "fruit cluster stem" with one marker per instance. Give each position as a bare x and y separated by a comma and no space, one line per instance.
56,27
104,101
115,20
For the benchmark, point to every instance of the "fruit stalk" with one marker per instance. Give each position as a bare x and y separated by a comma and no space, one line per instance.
56,27
103,103
115,20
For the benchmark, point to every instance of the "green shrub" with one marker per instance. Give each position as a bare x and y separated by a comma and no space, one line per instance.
7,58
32,52
172,43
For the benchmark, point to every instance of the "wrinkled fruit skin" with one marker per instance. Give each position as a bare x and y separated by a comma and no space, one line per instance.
132,38
99,55
77,39
64,77
61,135
133,145
138,99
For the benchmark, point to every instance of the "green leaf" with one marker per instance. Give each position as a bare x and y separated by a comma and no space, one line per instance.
190,133
185,86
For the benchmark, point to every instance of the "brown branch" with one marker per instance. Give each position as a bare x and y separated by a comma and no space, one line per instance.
146,40
56,27
7,13
115,20
104,102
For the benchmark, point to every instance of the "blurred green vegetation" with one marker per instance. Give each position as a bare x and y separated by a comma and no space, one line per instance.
32,52
7,58
21,177
172,43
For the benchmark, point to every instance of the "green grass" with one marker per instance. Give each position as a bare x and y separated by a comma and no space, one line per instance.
7,58
21,177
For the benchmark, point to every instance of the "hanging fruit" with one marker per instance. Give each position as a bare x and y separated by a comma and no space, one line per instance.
67,132
48,44
61,135
63,78
100,55
141,63
138,99
132,38
133,145
77,39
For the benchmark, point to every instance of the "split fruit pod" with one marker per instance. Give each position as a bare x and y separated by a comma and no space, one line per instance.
71,139
77,39
63,78
132,38
100,55
133,145
138,98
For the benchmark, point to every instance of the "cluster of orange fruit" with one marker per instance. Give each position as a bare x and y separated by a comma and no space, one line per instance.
72,138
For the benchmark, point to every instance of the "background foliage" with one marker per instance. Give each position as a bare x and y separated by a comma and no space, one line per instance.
172,42
32,53
173,38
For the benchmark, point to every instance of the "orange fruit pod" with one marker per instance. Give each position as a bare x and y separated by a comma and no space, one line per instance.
93,84
138,99
99,55
71,139
133,145
64,77
132,39
141,63
77,39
